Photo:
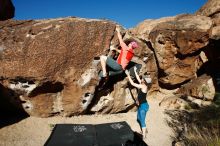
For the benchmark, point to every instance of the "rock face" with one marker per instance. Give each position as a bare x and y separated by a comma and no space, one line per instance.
7,10
50,64
176,44
210,9
185,47
120,99
143,29
50,67
201,87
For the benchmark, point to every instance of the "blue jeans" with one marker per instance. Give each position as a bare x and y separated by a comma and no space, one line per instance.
115,68
141,114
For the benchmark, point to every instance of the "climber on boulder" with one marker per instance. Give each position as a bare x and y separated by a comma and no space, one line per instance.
118,66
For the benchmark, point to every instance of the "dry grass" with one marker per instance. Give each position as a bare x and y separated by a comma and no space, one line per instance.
197,127
203,135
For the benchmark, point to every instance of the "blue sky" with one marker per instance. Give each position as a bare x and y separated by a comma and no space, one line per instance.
127,13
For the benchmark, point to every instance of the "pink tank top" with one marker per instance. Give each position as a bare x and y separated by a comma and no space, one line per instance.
125,57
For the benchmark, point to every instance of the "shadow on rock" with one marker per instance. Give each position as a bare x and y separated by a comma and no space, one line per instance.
10,107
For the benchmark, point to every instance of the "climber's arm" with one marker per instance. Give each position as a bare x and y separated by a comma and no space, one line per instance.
131,81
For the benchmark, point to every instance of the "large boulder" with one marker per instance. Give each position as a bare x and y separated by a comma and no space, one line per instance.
201,88
7,10
49,65
143,29
177,46
210,9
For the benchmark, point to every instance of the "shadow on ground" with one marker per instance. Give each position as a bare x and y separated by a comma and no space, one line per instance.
137,141
11,118
10,107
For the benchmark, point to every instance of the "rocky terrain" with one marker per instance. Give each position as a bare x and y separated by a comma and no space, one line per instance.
49,68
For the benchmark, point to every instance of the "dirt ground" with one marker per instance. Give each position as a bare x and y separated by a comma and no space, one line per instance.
34,131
